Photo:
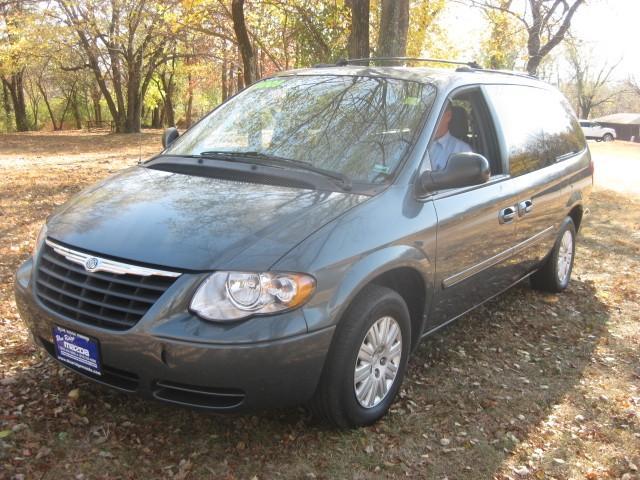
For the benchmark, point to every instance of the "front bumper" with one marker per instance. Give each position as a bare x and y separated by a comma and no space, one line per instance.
172,356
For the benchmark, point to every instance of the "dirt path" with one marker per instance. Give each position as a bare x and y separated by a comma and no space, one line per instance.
530,386
617,166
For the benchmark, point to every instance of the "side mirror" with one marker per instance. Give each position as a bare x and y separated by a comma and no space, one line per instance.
462,170
169,136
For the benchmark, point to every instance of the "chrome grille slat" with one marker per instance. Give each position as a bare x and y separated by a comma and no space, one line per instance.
60,261
85,299
95,288
107,265
109,300
80,317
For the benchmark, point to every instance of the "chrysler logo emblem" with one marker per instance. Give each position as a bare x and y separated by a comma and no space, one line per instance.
91,264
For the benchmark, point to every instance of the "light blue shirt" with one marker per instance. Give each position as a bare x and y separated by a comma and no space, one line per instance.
442,148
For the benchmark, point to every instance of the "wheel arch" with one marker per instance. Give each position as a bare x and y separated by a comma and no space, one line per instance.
410,285
576,213
404,269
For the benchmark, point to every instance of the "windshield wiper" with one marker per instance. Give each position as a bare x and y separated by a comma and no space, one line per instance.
259,158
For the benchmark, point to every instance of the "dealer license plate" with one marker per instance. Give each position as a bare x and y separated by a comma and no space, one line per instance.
77,350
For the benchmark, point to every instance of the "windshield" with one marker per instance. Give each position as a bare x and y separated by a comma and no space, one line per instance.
360,127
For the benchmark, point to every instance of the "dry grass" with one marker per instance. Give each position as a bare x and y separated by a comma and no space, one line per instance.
528,386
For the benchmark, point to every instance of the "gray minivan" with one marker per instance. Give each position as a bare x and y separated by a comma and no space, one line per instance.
296,244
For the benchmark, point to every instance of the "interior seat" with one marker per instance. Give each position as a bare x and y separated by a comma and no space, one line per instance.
459,125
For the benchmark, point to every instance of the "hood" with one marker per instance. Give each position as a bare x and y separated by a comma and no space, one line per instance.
193,223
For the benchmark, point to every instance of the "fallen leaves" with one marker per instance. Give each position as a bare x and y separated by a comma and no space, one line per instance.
74,394
525,380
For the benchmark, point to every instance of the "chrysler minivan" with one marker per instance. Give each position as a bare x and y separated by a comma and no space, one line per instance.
297,243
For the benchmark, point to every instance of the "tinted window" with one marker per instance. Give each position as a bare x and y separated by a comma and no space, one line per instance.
539,126
358,126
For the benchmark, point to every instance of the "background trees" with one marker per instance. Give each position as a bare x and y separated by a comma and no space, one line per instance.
546,23
358,46
123,44
590,81
506,40
14,50
394,28
133,63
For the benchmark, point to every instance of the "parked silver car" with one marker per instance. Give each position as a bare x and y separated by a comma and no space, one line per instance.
595,131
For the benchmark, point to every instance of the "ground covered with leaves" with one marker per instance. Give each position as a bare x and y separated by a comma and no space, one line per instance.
530,385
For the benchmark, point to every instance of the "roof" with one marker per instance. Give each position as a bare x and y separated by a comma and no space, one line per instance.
417,74
620,118
420,74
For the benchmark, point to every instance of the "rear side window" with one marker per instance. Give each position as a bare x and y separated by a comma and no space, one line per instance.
539,126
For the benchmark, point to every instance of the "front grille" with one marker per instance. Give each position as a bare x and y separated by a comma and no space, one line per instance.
104,299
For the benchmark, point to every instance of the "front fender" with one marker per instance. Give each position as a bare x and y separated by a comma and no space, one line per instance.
338,286
389,231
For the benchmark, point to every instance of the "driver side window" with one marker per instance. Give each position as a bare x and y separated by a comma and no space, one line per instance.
464,126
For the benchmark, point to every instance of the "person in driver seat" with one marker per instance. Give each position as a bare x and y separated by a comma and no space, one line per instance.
454,124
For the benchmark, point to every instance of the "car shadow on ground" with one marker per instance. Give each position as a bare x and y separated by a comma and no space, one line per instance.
472,393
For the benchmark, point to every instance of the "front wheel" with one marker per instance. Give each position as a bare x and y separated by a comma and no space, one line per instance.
555,274
607,137
366,361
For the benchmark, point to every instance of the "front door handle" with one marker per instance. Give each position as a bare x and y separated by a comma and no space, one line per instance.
507,215
525,207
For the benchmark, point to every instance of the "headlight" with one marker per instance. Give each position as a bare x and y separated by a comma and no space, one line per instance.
235,295
39,240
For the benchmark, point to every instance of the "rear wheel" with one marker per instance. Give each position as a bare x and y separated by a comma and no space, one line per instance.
555,274
367,360
607,137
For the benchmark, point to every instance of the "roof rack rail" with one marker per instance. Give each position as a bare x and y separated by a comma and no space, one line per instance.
514,73
350,61
471,66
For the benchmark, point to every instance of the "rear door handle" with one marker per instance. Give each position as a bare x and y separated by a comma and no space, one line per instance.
507,215
525,207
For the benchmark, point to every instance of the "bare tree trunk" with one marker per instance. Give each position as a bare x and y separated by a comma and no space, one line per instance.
223,77
169,111
66,107
168,85
96,95
250,73
15,87
231,75
7,104
43,92
189,113
358,46
540,25
263,57
134,100
394,28
240,80
155,118
34,107
75,108
87,107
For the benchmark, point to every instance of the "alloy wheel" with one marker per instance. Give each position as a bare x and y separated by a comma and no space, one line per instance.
378,362
565,256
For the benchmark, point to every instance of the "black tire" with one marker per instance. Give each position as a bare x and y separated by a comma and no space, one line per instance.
335,399
607,137
548,277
